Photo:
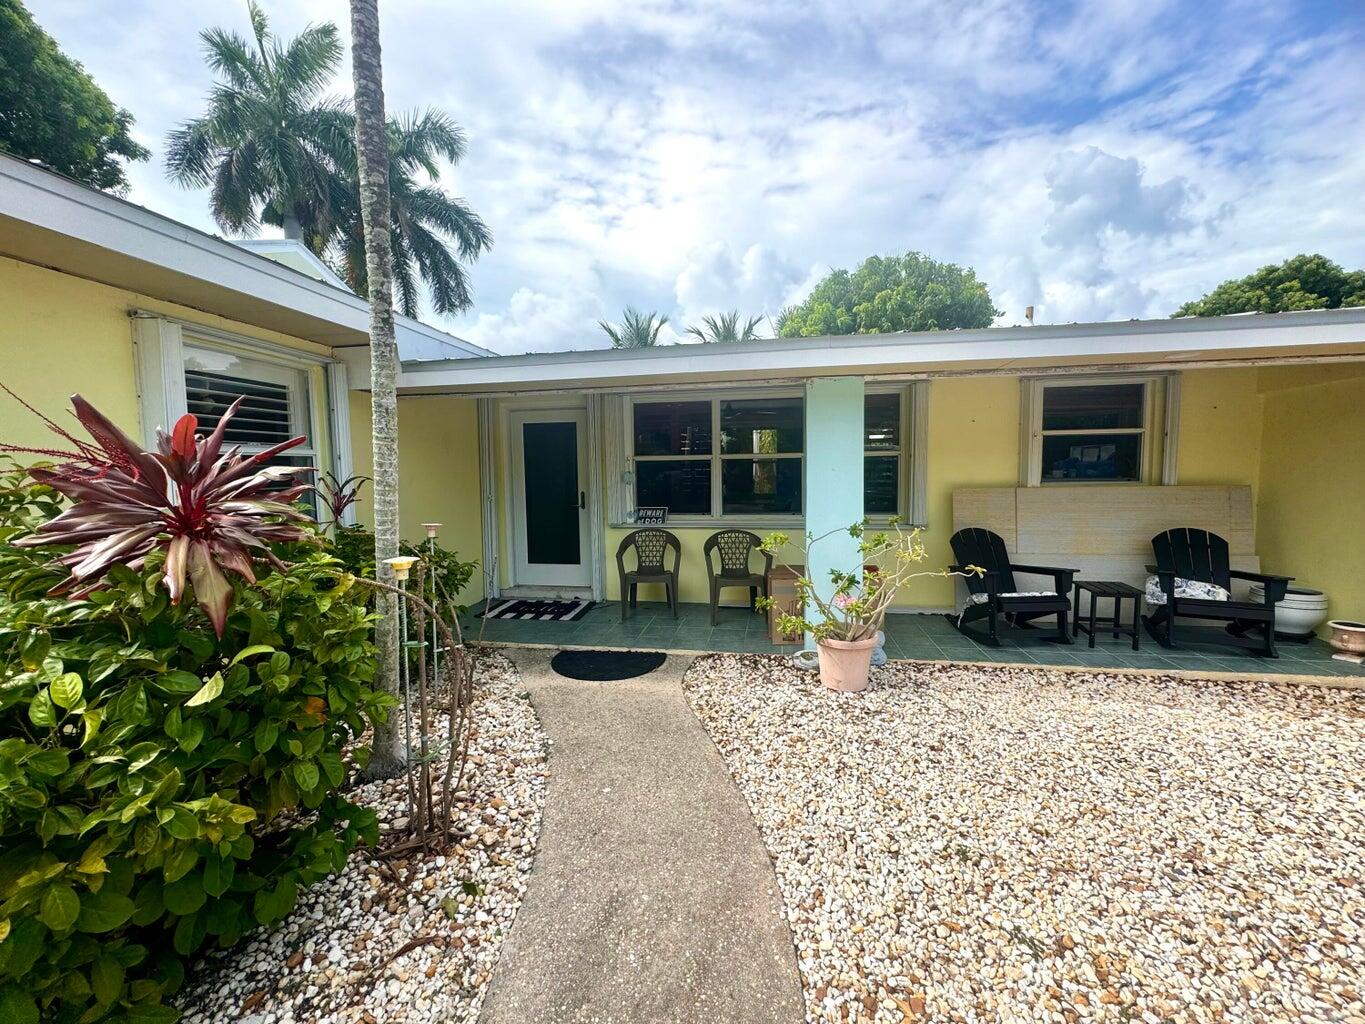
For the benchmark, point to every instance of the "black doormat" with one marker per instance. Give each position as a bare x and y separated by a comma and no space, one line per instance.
604,665
544,611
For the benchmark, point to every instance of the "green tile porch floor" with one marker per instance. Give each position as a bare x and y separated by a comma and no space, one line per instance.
916,637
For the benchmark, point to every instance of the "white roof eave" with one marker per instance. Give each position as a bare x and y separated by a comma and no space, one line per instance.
998,348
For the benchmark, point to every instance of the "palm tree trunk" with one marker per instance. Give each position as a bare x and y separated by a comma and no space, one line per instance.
372,148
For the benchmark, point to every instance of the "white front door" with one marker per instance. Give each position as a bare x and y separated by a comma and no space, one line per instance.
551,533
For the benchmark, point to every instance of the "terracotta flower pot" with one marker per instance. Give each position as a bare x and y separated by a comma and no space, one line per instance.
844,664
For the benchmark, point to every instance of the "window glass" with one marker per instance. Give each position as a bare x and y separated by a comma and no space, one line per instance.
683,486
1093,407
672,428
1092,456
882,422
263,418
761,486
881,485
762,426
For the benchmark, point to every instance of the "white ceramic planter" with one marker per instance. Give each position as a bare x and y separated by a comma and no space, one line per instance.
1300,613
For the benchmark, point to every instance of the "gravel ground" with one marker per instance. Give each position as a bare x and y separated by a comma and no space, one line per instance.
383,941
979,844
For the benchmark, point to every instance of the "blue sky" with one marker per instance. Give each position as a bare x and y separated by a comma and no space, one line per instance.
1096,160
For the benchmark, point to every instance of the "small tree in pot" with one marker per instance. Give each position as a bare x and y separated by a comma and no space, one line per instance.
849,616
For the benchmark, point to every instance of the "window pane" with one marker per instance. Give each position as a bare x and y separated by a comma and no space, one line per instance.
682,487
761,486
1092,457
673,428
762,426
1092,407
881,485
262,419
882,422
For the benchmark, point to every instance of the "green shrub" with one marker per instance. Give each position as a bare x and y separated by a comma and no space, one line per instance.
354,546
160,788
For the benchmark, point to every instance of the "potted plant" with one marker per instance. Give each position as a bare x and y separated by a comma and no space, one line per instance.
847,617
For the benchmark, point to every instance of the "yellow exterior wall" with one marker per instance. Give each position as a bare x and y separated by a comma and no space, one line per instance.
1220,427
62,335
973,441
438,472
1311,501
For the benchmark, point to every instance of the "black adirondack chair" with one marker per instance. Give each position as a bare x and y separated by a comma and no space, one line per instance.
1203,557
999,594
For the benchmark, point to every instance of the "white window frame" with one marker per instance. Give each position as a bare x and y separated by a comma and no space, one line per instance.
159,344
1160,425
912,497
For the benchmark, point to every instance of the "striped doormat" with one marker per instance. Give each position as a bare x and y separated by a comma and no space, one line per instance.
544,611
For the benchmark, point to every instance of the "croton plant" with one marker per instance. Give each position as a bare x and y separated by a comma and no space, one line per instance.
213,511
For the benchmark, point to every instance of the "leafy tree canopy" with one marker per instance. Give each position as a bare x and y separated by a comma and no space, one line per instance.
1301,282
52,110
891,293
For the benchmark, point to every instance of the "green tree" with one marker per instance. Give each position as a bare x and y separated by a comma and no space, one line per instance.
275,151
426,222
261,145
726,327
1301,282
891,293
636,329
52,110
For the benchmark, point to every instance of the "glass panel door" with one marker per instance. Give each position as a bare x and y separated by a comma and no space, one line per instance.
551,538
550,464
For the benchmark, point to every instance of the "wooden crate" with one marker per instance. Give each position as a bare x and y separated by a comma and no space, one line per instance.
782,589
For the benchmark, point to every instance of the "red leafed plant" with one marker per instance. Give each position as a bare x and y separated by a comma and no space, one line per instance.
210,510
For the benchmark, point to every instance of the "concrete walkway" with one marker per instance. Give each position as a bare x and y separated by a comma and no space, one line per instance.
652,899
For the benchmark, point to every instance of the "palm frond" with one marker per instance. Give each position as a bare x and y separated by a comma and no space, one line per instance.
310,59
453,217
447,282
636,330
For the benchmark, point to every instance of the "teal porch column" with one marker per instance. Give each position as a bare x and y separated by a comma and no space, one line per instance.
834,476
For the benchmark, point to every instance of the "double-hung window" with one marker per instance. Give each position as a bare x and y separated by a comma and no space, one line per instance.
1112,430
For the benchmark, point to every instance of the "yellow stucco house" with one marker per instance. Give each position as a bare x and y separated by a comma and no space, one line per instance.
1075,442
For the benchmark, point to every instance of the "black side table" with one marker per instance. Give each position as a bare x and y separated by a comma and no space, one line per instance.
1118,593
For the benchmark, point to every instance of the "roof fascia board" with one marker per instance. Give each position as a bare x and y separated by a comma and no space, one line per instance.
1001,347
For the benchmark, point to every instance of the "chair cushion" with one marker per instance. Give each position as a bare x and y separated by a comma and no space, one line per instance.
983,598
1184,588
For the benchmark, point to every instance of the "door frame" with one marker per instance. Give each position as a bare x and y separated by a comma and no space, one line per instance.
543,577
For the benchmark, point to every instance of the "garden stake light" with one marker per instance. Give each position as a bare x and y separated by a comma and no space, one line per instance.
431,529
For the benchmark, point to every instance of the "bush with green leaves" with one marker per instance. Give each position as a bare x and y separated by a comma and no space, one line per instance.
354,546
163,788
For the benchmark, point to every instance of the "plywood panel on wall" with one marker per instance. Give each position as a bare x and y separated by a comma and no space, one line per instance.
1123,520
1105,532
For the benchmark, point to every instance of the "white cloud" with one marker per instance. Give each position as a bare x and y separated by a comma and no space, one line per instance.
756,282
692,156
